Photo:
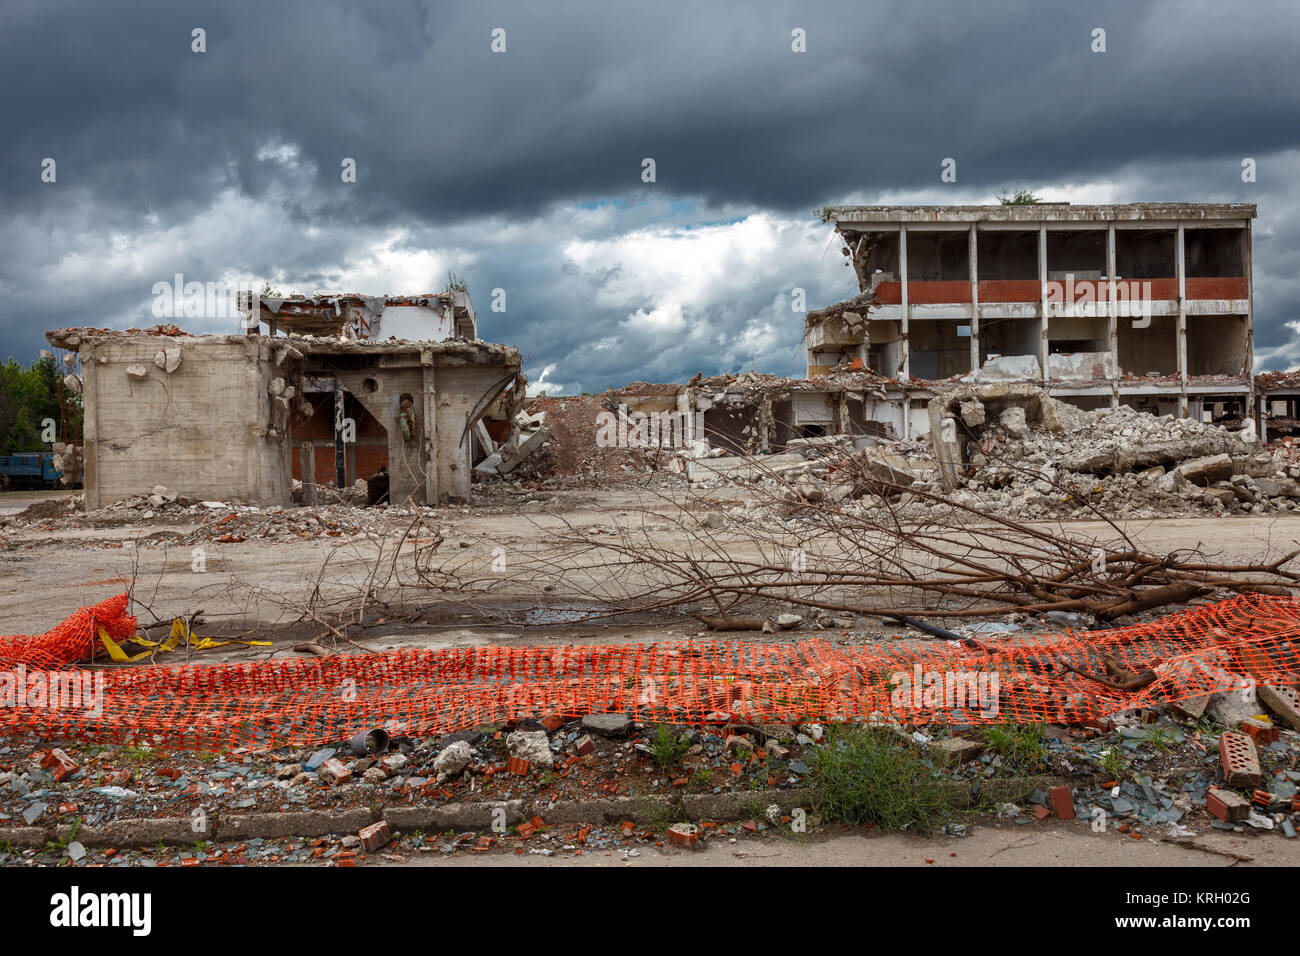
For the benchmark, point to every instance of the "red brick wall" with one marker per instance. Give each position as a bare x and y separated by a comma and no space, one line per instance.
364,458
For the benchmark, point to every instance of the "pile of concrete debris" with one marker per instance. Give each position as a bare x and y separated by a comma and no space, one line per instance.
1017,450
1014,450
197,521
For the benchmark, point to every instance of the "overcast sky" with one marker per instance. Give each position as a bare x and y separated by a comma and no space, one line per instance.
522,170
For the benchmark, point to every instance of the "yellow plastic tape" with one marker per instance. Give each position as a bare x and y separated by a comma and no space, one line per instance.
180,634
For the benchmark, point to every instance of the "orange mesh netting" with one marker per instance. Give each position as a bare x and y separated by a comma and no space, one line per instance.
271,703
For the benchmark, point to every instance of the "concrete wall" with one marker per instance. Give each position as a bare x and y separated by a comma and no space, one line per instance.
203,430
454,390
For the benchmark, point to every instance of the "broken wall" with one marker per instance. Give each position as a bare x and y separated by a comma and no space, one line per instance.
205,429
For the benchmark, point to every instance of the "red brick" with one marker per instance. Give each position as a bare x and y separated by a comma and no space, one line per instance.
1262,797
375,836
1239,759
685,835
60,765
552,723
1062,802
527,829
585,745
1260,731
519,766
1226,805
1040,812
1282,701
334,771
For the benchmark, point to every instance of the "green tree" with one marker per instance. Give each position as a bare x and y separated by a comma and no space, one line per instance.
1021,197
29,394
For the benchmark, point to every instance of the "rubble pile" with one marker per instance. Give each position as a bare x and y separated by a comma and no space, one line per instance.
221,521
1119,461
1046,459
571,454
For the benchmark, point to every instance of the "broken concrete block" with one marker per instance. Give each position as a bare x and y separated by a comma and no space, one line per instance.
953,751
453,758
1231,707
741,467
972,413
72,383
1240,760
607,725
393,764
490,464
512,458
533,746
885,466
1192,707
1210,468
1013,421
168,359
136,372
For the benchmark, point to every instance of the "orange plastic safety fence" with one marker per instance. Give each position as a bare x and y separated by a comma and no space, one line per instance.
419,692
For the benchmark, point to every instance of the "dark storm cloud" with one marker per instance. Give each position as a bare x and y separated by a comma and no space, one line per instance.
229,160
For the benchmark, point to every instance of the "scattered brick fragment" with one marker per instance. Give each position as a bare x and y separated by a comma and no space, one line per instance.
375,836
1240,760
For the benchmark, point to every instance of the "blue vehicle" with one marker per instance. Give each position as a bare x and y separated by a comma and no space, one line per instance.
34,469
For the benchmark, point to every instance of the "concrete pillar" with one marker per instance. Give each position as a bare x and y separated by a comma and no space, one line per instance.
972,257
1249,370
1042,296
340,450
1181,266
307,467
905,309
1112,318
429,408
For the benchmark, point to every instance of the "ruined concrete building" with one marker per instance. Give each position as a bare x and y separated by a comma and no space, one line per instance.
1145,304
241,416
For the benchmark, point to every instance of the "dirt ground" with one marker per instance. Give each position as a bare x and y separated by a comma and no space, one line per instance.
1037,844
260,585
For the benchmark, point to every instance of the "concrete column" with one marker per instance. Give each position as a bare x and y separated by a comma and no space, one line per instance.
1249,370
972,257
1112,318
1181,265
1042,296
89,429
340,450
307,467
429,410
905,308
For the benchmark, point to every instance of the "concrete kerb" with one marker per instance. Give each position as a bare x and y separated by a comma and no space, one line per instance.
651,809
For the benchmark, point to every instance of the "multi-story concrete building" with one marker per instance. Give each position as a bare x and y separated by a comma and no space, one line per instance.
1146,304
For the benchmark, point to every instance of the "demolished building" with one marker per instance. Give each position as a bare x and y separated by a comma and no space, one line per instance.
317,398
1143,304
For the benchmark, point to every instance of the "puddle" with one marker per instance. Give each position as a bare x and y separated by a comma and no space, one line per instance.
564,613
